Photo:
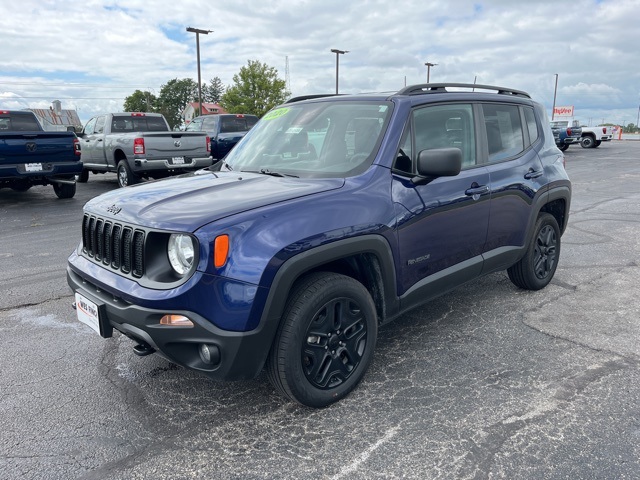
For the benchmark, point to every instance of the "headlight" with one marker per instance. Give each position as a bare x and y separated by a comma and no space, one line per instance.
181,252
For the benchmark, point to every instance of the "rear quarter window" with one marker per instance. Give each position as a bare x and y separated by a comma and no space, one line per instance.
505,138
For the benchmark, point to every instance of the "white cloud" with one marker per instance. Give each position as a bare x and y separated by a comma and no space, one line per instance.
92,54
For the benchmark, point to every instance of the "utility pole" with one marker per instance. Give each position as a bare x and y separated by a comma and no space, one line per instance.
198,31
338,53
429,65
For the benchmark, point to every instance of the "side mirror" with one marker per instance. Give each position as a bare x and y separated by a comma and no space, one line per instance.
438,162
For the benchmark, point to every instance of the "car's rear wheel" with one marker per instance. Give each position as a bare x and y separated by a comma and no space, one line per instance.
588,142
64,190
20,187
598,143
536,269
326,340
83,177
563,147
125,175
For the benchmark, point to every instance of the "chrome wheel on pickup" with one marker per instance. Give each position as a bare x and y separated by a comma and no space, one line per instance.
125,175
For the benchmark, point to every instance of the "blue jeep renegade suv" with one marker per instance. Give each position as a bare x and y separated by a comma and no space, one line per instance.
332,216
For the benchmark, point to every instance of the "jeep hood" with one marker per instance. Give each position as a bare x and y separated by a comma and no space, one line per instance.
188,202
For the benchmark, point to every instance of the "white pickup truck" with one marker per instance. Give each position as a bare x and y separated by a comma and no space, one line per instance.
592,137
140,145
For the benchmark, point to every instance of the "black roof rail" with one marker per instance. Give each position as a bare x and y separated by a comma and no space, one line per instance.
309,97
442,88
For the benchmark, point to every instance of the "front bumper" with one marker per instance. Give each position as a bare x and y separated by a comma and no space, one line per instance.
240,355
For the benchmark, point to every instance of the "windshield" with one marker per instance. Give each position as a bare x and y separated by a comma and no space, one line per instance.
320,139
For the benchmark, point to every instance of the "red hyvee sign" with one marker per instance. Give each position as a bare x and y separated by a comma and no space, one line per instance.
563,111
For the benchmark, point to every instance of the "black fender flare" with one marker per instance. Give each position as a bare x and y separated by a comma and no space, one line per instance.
295,267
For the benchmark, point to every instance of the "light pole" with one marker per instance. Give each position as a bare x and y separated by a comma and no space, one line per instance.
198,31
338,53
555,90
429,65
638,120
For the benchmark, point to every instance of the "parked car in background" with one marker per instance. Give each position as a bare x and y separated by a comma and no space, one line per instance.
593,137
140,145
566,132
224,130
30,156
291,252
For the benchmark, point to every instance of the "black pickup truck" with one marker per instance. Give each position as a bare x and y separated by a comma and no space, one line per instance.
224,130
30,156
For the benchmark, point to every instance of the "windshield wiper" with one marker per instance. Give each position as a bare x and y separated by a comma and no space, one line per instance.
266,171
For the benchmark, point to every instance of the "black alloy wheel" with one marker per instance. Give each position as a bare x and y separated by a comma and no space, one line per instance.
326,340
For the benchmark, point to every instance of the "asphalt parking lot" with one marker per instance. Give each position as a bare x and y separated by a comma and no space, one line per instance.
486,382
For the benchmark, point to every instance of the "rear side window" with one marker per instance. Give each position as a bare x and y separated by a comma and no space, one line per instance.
505,138
236,124
532,126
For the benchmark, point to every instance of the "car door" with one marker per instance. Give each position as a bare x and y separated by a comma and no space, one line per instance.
442,224
517,177
97,142
88,139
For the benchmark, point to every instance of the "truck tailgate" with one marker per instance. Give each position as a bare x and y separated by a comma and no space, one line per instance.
32,147
175,144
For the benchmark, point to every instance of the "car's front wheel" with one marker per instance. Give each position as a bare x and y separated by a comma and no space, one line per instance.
536,269
325,341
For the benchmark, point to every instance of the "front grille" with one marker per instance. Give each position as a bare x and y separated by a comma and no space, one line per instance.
113,244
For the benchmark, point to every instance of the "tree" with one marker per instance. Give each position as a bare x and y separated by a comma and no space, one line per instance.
174,97
213,91
140,101
256,90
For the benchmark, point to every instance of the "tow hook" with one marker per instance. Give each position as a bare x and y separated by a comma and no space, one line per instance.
142,350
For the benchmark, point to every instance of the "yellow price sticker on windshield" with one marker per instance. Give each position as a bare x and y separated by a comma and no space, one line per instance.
276,113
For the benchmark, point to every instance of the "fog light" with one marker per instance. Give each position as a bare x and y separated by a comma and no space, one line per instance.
209,354
176,321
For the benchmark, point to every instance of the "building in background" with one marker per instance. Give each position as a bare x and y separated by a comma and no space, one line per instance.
55,119
207,109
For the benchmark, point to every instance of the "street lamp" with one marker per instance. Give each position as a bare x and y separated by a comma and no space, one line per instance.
555,90
338,53
429,65
198,31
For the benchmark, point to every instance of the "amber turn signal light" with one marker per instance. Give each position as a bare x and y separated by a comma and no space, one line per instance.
220,250
176,321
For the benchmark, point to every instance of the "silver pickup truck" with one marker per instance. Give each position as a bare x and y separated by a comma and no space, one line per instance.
140,145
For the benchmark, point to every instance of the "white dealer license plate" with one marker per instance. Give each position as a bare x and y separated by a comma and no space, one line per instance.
33,167
87,312
177,160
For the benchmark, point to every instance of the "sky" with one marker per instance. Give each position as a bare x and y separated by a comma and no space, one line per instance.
90,55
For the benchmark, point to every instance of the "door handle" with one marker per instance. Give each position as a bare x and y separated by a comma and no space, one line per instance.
477,190
533,174
99,139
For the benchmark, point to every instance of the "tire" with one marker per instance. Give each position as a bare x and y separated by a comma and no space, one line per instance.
64,190
598,143
20,187
536,269
588,142
83,177
325,341
563,147
125,176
